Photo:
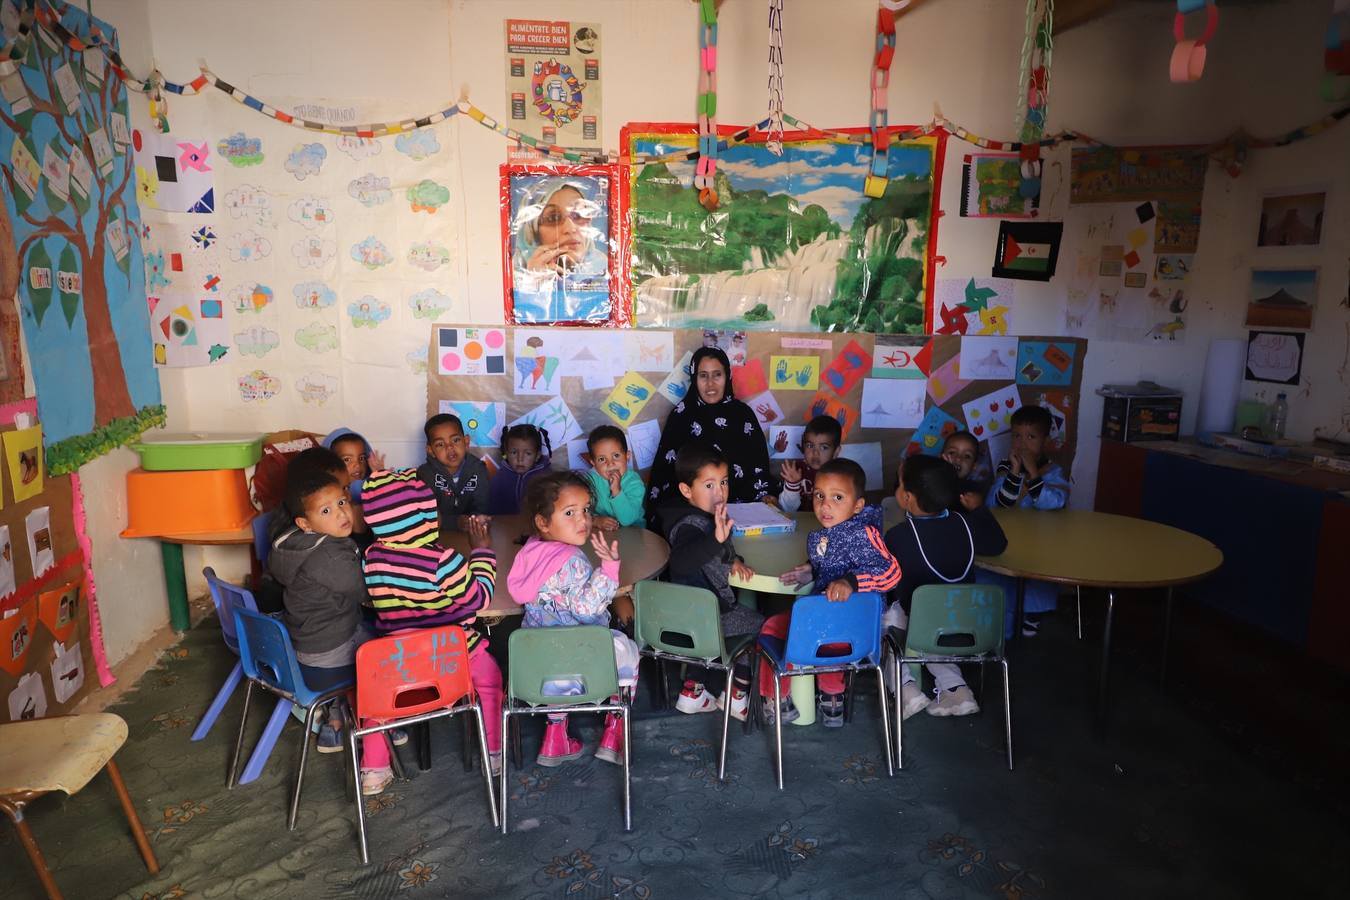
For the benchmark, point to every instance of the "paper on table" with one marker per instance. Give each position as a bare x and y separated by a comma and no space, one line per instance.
869,457
758,517
988,358
643,439
890,403
991,414
39,526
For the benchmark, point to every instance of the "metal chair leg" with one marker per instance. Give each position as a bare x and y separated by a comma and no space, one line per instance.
360,798
239,741
899,715
506,717
395,761
466,746
726,727
778,724
848,701
627,780
516,753
487,763
885,721
305,738
1078,594
1007,712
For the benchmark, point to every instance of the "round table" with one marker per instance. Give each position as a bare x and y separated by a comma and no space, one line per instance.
1093,549
642,554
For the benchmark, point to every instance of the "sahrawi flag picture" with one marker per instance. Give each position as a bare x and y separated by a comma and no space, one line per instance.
1027,250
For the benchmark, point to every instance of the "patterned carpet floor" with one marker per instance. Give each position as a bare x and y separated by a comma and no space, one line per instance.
1183,796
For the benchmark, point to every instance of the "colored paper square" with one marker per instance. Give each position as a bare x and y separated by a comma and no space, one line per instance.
212,309
991,414
1057,357
945,381
749,380
1145,212
932,432
823,404
848,368
1131,259
1137,238
628,398
794,373
176,262
1043,363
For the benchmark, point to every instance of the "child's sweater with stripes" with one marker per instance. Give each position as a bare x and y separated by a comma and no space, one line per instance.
855,551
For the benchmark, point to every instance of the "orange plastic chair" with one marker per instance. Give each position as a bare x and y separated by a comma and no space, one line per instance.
410,677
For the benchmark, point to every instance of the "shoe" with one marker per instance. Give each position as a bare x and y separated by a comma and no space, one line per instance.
789,710
1031,625
831,708
397,736
374,781
558,747
695,699
740,703
330,739
912,700
956,702
611,742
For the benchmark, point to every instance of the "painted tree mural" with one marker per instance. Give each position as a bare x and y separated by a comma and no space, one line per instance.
71,196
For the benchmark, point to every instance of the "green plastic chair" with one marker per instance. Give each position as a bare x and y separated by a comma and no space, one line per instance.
953,623
678,623
578,658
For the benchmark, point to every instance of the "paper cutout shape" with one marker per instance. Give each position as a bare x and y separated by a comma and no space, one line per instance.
554,417
766,409
28,700
794,373
628,398
945,381
824,404
991,414
539,362
785,441
23,452
898,356
7,585
892,404
38,523
643,439
869,457
482,421
749,380
1027,250
58,609
471,351
676,384
16,637
848,368
1045,363
169,176
1274,357
67,671
988,358
928,438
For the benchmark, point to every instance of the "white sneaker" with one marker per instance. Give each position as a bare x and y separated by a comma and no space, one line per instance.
695,699
374,781
956,702
912,700
740,703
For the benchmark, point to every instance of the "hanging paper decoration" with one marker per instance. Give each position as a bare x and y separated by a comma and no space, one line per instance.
1336,82
706,171
1188,56
1035,81
874,185
774,143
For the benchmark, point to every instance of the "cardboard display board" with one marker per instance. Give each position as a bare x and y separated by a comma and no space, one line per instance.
893,394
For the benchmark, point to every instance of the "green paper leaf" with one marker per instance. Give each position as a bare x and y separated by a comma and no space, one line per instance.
38,297
70,300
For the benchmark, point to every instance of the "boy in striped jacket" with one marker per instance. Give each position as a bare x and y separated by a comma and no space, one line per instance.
415,582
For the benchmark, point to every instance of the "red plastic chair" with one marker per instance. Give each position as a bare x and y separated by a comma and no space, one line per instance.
411,677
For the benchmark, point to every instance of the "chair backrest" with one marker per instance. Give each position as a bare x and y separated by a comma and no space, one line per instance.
413,672
262,547
956,620
558,666
678,619
855,622
267,654
227,597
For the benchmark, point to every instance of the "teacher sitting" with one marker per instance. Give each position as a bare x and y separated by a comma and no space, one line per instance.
710,413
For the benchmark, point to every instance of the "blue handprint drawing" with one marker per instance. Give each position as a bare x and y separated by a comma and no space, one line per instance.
637,391
804,376
618,410
780,373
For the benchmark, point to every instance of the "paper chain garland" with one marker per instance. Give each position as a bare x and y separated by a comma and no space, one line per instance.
1336,82
774,143
874,185
1188,56
1234,147
1037,44
706,171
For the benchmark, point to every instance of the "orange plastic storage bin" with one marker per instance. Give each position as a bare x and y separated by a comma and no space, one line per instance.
185,503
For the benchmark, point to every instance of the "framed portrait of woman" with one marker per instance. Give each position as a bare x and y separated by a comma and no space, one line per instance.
561,259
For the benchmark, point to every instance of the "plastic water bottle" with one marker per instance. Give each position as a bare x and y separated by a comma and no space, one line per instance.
1279,416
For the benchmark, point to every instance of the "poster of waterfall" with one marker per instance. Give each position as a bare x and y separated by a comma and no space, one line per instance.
794,244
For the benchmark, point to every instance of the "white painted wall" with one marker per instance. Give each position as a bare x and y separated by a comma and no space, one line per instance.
1109,81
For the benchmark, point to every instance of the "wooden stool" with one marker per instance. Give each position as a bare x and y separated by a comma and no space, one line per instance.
62,753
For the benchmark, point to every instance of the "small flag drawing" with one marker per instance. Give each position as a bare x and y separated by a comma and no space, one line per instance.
1027,250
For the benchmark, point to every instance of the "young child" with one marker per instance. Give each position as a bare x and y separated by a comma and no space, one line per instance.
820,444
552,578
936,544
415,582
526,454
359,459
457,478
618,489
962,451
698,530
319,568
847,555
1028,479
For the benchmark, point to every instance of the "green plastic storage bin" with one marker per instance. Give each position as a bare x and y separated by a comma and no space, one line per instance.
197,452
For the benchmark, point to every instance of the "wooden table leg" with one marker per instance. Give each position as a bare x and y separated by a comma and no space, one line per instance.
133,820
15,812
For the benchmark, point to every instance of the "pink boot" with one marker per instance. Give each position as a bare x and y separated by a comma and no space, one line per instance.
611,742
558,746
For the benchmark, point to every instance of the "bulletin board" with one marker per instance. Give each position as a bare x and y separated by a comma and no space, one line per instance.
46,654
893,394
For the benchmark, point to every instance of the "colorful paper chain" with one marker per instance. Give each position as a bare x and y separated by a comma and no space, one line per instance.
874,185
1236,146
1188,56
1336,82
774,142
1037,44
705,173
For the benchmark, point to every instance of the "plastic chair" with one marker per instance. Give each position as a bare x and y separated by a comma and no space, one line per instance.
262,547
676,623
62,753
227,597
410,678
580,656
953,623
269,662
816,622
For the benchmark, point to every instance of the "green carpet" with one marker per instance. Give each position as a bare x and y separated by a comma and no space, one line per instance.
1174,800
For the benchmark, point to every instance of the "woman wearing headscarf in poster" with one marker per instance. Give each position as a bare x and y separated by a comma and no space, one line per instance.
560,258
709,412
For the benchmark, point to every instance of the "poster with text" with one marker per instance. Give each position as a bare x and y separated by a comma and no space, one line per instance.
553,81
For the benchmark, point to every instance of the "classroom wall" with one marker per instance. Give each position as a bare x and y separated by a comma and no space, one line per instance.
1109,81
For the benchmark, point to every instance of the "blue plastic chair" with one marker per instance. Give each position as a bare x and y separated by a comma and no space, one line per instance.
855,624
226,597
262,547
269,661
